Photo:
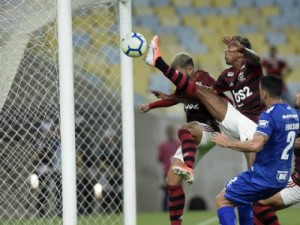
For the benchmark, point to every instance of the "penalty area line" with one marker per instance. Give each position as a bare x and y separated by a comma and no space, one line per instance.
208,221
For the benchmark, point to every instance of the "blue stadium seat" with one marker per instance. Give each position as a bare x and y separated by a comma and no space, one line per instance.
278,21
163,29
285,3
275,38
161,2
147,20
243,3
247,29
159,82
81,39
264,2
228,11
111,53
141,3
185,10
204,11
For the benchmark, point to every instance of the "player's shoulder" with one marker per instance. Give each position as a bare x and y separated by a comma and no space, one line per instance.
201,73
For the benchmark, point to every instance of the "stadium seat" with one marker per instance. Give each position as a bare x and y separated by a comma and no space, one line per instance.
159,3
260,3
204,11
267,11
226,11
142,10
275,38
185,10
182,3
286,49
147,20
243,3
146,3
192,21
244,29
202,3
223,3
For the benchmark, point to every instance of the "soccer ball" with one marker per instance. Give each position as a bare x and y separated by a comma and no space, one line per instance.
134,44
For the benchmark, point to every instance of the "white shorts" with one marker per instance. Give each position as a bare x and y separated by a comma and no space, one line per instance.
205,145
291,193
236,125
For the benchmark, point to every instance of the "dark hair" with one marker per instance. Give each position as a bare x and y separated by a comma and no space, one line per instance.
244,41
272,84
182,60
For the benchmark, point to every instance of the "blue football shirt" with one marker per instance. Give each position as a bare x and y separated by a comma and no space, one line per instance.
272,166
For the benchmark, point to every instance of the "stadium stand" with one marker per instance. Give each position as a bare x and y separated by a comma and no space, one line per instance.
265,23
195,27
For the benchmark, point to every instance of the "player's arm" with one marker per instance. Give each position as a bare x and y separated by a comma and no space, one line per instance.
254,145
157,104
176,97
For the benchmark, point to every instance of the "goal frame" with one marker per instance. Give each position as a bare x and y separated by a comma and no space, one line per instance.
67,126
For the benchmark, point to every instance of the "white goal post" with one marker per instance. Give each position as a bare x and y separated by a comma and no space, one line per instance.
40,125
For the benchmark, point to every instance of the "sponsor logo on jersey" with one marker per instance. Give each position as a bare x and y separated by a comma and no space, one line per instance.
263,123
200,83
230,74
282,176
231,84
290,116
241,77
191,106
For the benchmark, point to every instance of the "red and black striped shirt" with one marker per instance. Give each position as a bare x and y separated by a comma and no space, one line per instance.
244,87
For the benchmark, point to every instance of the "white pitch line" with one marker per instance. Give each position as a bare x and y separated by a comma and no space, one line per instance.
208,221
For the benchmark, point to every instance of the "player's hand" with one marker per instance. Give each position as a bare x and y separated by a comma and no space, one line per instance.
160,95
233,45
144,108
220,139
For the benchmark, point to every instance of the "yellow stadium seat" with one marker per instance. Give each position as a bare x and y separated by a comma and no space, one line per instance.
142,10
168,39
250,12
214,21
166,21
182,3
269,11
286,49
141,74
164,10
223,3
202,3
235,21
192,21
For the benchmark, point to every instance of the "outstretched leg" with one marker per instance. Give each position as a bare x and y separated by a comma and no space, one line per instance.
215,104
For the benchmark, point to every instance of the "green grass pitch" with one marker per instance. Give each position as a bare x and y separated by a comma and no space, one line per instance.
289,216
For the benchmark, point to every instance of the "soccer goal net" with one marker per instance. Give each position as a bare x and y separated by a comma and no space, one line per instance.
30,153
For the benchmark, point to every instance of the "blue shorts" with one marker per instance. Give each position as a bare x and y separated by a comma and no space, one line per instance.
241,190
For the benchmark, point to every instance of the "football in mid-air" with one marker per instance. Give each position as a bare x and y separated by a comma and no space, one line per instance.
134,44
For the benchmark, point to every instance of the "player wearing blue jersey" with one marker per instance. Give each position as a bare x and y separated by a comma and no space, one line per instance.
273,142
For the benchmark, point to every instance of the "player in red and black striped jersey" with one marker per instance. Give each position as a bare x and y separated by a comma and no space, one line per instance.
194,135
242,59
243,84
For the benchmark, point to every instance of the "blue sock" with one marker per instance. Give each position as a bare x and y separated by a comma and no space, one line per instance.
245,215
226,215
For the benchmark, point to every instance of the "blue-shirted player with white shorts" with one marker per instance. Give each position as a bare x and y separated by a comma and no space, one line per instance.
273,142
